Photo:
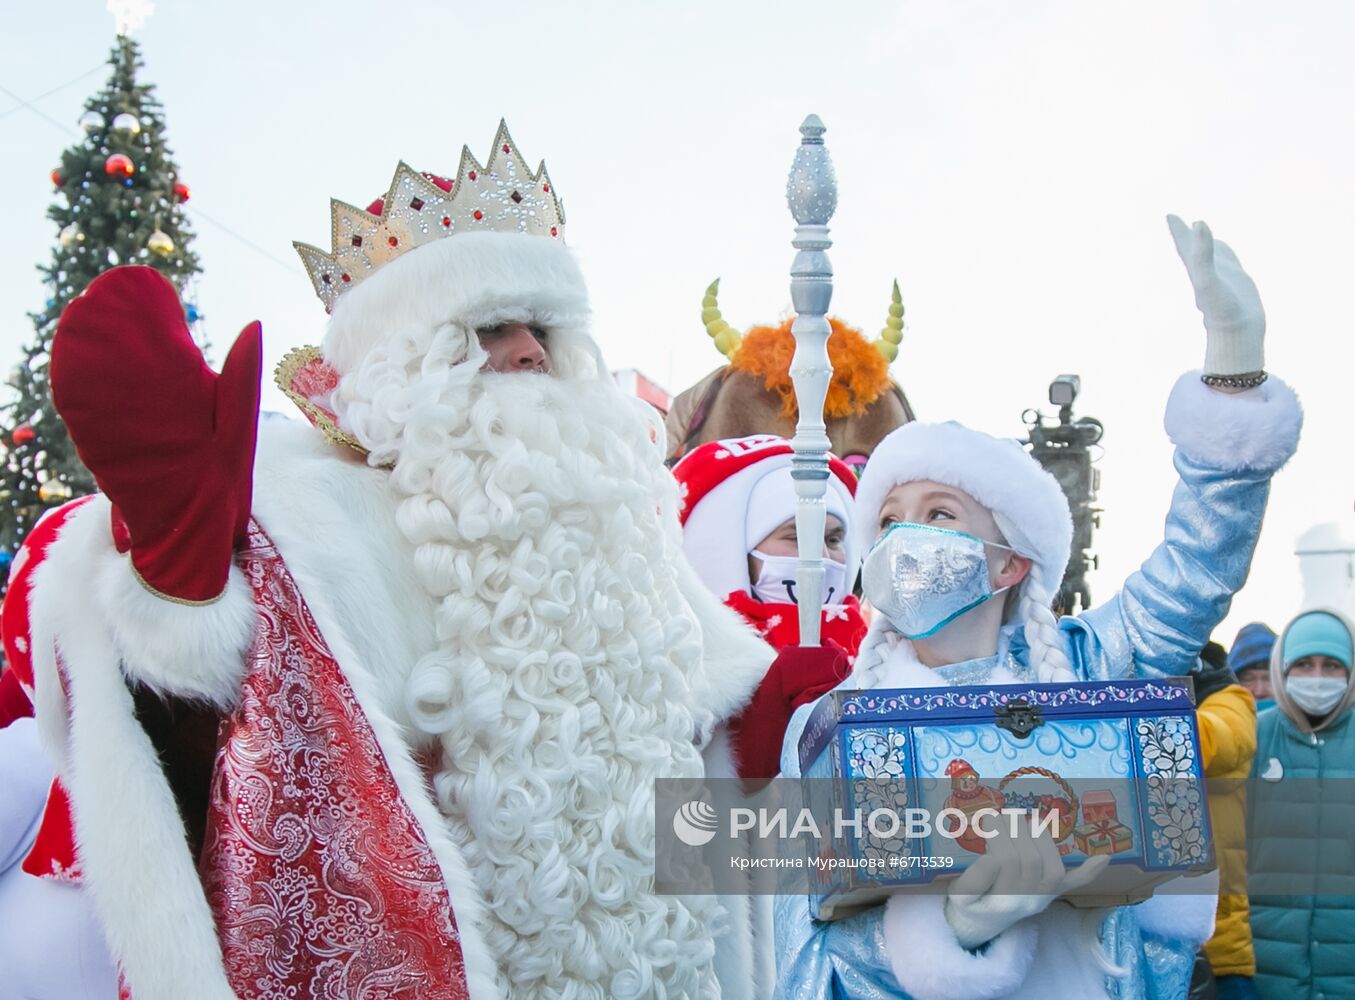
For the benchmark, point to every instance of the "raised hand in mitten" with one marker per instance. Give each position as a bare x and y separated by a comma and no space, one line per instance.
797,676
1017,877
1234,322
168,440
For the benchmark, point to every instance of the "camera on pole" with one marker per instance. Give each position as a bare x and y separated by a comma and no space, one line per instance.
1064,449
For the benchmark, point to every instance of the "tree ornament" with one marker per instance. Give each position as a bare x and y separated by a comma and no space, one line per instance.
97,183
191,313
159,242
181,192
53,489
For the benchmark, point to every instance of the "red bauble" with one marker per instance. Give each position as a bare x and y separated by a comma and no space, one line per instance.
119,165
24,434
181,192
57,179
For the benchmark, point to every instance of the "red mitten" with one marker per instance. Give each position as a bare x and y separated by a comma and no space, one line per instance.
813,672
169,440
797,676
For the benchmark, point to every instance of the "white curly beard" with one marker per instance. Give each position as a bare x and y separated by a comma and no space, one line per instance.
564,682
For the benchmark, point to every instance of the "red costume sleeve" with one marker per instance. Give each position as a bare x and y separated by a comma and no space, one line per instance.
14,703
17,684
797,676
53,853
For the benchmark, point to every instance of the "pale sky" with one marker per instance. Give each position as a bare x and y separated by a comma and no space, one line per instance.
1010,163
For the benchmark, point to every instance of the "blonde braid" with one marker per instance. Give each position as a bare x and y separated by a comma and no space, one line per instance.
1048,659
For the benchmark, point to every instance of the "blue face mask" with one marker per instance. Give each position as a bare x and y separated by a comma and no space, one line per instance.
1264,703
922,578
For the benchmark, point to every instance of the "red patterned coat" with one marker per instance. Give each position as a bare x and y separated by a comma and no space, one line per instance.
326,868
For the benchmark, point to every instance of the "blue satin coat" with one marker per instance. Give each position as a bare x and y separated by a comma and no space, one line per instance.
1154,627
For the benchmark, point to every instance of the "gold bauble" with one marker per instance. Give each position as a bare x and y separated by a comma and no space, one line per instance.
53,489
159,242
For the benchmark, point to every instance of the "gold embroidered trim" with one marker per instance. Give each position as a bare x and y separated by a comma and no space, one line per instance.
285,376
168,597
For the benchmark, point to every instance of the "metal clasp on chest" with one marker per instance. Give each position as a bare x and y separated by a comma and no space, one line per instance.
1019,717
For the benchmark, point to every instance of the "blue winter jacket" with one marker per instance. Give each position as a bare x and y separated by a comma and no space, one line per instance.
1301,851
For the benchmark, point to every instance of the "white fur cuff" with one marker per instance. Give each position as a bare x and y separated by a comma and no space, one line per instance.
930,963
1182,909
1256,430
190,651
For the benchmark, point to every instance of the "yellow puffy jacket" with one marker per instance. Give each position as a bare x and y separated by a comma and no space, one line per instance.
1227,723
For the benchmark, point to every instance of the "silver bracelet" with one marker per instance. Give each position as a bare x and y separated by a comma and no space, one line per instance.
1249,380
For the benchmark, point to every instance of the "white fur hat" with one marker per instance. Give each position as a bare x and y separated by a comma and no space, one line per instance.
476,280
1027,502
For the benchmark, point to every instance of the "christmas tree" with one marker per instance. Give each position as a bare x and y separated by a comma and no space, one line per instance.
119,201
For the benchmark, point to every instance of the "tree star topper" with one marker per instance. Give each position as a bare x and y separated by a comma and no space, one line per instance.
128,15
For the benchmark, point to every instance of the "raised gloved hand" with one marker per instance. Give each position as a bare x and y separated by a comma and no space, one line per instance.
797,676
1018,877
1234,321
168,440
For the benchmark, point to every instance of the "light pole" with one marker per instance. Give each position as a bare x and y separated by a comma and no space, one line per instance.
1064,449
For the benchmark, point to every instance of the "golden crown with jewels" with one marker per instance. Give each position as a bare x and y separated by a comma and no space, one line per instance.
501,196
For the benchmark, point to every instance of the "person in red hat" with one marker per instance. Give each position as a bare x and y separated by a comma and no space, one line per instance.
737,508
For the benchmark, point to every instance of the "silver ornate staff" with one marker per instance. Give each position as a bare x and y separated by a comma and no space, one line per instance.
811,193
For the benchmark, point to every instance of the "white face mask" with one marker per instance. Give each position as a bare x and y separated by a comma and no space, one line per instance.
1316,695
775,583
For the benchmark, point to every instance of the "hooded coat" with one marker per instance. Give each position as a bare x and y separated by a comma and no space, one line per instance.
1301,856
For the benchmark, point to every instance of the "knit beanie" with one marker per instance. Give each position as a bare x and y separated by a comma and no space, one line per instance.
1318,633
1251,648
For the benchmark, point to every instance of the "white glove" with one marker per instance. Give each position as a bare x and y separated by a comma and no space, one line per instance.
1018,877
1234,321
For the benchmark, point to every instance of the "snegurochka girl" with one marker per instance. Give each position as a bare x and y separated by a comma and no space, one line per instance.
967,539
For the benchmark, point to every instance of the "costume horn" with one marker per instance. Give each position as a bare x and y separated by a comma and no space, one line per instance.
725,336
887,343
